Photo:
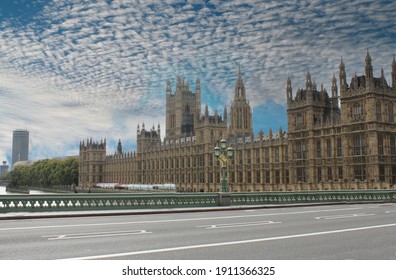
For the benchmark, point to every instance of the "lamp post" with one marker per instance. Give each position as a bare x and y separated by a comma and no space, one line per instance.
223,154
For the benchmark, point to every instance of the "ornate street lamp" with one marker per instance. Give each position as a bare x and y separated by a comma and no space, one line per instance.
223,154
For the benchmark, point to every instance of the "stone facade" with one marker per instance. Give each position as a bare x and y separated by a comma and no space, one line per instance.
342,140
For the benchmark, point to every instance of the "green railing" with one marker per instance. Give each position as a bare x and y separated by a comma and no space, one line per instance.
80,202
312,197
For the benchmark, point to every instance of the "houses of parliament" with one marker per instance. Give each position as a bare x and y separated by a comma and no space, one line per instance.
339,140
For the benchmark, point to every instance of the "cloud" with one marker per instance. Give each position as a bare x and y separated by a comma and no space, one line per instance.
68,68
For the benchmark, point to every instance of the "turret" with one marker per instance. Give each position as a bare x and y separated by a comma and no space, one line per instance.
343,83
239,87
369,67
119,147
289,90
168,88
394,73
198,86
334,88
308,82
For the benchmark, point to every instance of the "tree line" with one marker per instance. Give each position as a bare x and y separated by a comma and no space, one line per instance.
45,173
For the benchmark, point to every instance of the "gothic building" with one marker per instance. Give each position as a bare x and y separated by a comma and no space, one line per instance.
345,139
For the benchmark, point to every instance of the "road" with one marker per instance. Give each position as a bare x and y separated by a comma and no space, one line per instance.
359,231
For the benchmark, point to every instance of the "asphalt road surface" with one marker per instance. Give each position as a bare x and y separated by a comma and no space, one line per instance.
359,231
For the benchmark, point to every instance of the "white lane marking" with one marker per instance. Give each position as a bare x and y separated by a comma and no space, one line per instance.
343,216
238,242
234,225
94,234
180,220
390,211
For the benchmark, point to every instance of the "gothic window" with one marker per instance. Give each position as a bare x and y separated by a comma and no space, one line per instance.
267,177
358,145
380,145
257,155
277,177
301,177
249,177
378,111
328,147
382,173
340,172
276,154
300,149
392,145
319,174
393,174
360,172
318,149
267,157
357,110
240,156
299,121
329,173
390,112
258,177
339,147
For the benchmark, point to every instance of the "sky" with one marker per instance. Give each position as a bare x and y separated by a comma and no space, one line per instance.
76,69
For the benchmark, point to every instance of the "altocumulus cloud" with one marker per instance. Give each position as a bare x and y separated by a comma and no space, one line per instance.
74,69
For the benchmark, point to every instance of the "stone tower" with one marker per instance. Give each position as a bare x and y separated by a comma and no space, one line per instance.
183,109
147,138
367,106
92,161
240,113
211,128
310,110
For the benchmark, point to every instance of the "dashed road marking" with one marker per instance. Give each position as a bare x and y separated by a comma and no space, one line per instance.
346,216
234,225
94,234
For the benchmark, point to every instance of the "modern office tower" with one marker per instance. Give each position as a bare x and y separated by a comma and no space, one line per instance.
4,168
20,145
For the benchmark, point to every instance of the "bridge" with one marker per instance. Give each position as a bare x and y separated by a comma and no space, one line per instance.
127,201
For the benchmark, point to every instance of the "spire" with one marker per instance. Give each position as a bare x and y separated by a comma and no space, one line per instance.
382,78
206,110
308,83
394,72
240,92
369,67
343,83
168,88
334,88
198,86
119,147
289,93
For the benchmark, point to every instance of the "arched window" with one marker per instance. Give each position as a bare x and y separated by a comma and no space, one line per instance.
299,121
390,112
378,111
357,110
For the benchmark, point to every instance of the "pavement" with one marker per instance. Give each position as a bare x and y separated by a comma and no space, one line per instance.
87,213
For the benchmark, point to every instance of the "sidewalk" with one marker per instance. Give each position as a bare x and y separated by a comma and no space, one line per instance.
88,213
